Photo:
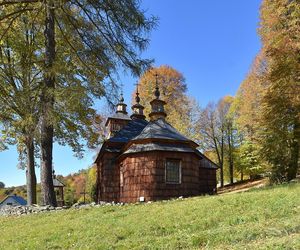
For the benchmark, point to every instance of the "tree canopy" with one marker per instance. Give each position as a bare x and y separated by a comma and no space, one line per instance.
82,47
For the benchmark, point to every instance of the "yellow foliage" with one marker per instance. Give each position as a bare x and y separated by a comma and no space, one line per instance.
179,107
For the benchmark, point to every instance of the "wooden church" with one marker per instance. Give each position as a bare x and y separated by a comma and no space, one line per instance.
150,160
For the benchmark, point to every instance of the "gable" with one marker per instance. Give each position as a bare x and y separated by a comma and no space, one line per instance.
13,200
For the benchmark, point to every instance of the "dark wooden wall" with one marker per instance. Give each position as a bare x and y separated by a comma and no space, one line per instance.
108,173
144,175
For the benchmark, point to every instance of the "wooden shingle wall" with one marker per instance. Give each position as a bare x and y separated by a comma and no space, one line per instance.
144,176
109,178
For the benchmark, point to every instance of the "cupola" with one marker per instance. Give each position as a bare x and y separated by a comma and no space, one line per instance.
121,106
120,119
137,108
157,105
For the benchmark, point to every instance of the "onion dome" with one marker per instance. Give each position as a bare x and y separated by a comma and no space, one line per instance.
137,108
157,105
121,106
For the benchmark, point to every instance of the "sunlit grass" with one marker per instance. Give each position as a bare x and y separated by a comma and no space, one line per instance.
268,218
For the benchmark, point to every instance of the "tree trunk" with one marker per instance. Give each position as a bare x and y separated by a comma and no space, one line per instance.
48,194
30,173
222,161
295,154
221,174
229,140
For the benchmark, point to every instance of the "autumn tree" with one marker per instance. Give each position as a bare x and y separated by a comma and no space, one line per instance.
216,124
246,110
180,108
91,183
99,37
213,133
267,105
231,133
280,139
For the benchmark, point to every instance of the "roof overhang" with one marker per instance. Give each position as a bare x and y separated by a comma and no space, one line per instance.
116,148
205,157
118,116
150,145
192,144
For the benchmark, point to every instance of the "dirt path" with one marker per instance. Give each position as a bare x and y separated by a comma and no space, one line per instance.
242,187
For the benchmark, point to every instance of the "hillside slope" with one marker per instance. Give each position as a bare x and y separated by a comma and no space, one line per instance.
261,218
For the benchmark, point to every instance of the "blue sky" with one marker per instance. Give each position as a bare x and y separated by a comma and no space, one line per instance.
212,43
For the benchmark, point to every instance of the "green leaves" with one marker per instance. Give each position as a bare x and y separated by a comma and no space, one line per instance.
281,103
93,40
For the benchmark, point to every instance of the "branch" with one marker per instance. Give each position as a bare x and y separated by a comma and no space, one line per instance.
69,17
15,12
10,24
72,47
6,118
10,2
101,32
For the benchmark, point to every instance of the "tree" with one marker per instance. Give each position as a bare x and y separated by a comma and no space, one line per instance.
19,84
280,139
2,185
91,183
180,108
247,109
100,37
217,128
230,133
267,105
211,127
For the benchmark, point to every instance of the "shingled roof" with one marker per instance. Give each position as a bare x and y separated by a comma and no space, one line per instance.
120,116
57,183
17,198
131,130
160,129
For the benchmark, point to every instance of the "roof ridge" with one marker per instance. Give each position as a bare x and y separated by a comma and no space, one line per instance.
160,129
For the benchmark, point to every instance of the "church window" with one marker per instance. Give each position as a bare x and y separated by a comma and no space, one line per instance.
173,171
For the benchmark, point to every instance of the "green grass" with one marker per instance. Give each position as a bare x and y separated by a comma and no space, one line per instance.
267,218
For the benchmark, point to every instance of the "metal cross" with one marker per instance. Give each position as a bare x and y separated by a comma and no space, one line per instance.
156,80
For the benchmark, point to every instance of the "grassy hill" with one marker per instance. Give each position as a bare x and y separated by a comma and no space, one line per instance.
267,218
